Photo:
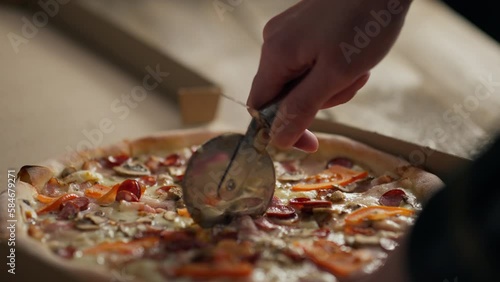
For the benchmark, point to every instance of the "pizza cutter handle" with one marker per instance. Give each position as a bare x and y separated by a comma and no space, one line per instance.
260,127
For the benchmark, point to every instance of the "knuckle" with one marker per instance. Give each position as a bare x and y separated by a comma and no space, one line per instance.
270,27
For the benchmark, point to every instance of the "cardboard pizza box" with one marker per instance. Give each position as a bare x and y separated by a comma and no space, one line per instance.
184,85
440,163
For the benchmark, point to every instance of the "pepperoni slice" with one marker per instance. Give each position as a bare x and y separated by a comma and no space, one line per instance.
306,204
281,212
148,180
392,198
173,160
132,186
113,161
127,196
342,161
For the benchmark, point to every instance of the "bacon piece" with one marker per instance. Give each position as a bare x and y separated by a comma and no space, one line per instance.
69,211
392,198
70,208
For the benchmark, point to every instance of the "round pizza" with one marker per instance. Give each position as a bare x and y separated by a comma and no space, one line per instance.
117,214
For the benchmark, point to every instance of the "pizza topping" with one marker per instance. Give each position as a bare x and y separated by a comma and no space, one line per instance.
336,196
289,171
183,240
55,205
134,215
281,212
148,180
67,171
82,176
67,252
109,197
336,259
91,165
173,160
132,186
375,213
136,247
96,191
86,226
204,270
37,176
125,195
69,209
96,218
173,192
307,205
132,169
341,161
330,178
228,259
392,198
113,161
54,188
264,224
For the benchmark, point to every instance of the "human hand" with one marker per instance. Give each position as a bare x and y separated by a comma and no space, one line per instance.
331,45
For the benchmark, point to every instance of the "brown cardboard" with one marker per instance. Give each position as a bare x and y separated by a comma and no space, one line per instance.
198,104
439,163
131,53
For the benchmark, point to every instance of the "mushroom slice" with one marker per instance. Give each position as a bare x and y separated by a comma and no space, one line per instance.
86,225
96,219
132,169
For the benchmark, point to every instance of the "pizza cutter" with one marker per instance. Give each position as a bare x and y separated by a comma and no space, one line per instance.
232,174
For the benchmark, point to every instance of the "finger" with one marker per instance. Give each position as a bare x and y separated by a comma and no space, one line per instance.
307,142
348,93
276,68
299,107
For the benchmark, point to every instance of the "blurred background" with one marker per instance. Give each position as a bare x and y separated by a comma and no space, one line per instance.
72,74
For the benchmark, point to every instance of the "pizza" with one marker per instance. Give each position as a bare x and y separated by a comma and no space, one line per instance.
117,214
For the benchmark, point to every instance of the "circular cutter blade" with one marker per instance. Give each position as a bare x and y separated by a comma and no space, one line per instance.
215,193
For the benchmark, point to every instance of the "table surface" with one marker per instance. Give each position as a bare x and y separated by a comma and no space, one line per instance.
439,85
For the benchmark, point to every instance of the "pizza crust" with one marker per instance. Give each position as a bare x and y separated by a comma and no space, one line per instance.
425,184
